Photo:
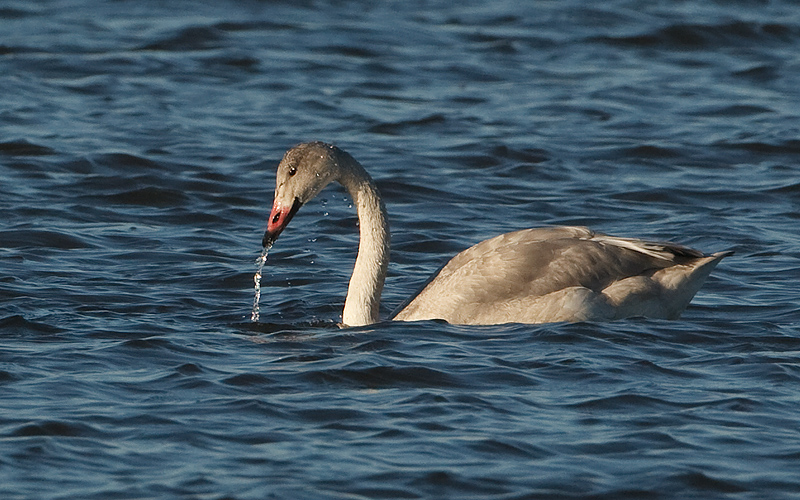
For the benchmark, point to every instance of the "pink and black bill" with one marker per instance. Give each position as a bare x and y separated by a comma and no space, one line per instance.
278,220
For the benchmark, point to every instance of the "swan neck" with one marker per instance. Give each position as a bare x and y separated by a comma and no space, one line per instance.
362,305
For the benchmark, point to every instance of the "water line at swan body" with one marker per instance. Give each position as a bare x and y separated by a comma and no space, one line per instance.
260,261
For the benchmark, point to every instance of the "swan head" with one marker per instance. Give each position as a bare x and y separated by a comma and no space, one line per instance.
302,173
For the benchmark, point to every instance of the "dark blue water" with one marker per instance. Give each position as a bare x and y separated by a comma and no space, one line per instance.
138,142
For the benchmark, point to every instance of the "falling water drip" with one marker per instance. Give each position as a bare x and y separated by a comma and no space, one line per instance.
254,316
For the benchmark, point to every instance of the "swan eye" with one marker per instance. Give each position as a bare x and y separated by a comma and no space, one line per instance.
292,171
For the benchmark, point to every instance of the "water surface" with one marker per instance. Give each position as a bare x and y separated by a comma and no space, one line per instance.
138,143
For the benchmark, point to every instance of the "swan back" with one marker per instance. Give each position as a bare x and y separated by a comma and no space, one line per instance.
561,274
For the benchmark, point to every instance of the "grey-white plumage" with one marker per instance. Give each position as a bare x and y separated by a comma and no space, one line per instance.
562,274
528,276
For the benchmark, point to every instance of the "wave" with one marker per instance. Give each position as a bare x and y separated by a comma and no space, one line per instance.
32,238
706,36
24,148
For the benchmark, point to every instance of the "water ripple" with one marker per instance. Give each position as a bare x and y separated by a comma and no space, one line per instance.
137,156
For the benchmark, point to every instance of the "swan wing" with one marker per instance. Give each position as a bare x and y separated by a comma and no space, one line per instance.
543,274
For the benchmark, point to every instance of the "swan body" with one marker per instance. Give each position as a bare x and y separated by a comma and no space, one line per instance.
536,275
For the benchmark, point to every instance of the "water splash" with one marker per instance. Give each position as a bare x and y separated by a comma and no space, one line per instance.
256,313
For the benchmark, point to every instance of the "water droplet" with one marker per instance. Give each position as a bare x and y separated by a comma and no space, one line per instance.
256,313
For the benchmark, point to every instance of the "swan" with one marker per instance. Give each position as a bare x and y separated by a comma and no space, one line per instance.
539,275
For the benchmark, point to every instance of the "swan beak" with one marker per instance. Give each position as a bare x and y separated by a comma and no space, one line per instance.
278,220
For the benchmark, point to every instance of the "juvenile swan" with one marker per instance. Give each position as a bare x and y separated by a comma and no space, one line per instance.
530,276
